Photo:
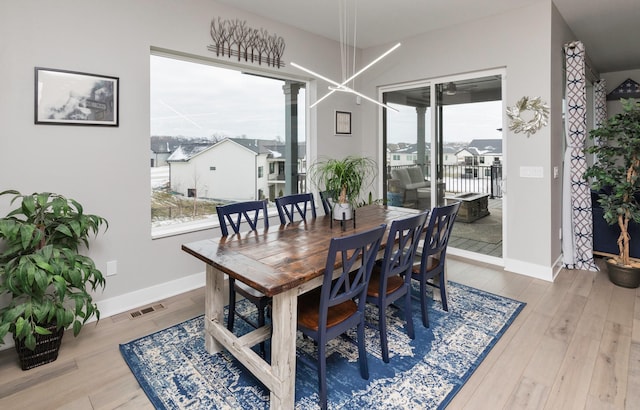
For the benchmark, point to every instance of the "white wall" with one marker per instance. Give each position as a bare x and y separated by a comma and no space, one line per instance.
107,169
520,42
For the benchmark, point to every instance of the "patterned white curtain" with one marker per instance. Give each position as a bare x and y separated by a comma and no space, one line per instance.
599,103
577,223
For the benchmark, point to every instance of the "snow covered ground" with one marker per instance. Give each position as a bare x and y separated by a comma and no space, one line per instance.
159,177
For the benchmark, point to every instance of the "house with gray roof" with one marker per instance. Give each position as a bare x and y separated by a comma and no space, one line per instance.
481,152
234,169
404,154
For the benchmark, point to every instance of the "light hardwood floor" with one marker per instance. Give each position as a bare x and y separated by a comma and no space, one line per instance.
575,345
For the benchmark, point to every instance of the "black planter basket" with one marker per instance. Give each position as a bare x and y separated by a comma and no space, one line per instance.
46,351
625,276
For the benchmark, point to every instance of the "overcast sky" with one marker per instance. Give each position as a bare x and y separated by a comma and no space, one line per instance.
198,100
462,123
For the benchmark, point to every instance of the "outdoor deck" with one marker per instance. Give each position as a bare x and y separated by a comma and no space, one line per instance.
483,235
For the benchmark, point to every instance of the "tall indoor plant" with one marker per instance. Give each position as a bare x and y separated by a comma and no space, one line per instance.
615,174
343,179
42,270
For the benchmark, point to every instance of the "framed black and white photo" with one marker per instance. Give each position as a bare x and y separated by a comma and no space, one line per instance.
72,98
343,123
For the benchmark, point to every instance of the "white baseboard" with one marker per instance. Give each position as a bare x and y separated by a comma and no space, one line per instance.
530,269
138,298
476,257
557,267
128,301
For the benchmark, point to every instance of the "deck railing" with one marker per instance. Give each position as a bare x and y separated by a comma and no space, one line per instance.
485,179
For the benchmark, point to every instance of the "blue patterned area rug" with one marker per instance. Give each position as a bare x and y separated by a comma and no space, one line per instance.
176,372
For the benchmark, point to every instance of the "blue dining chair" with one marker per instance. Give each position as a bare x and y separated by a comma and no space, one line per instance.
433,252
330,310
290,205
232,216
391,277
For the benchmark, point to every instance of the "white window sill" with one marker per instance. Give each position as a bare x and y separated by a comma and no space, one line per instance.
184,228
181,228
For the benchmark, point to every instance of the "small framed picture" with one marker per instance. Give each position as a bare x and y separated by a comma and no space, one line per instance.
343,123
72,98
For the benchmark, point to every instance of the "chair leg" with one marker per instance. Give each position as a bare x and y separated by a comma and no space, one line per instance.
382,325
362,351
322,373
232,304
443,292
423,302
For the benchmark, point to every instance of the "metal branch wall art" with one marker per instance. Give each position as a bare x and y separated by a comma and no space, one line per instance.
234,38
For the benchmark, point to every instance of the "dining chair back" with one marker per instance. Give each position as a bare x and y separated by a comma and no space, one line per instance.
290,205
433,252
232,216
325,197
391,277
338,305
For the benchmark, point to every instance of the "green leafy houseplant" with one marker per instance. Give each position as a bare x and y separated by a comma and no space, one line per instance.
615,172
41,268
344,178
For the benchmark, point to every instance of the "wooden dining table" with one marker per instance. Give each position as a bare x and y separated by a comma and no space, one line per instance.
282,262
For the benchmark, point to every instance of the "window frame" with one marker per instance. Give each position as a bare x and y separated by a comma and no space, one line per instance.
180,228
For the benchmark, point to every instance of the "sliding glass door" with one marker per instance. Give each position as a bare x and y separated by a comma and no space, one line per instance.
445,144
407,136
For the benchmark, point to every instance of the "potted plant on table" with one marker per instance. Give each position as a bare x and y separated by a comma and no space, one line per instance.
343,179
46,277
615,174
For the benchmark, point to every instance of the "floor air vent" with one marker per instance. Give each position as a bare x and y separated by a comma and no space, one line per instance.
144,311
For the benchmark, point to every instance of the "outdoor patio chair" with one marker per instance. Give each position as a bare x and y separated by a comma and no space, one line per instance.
433,252
233,215
330,310
290,205
408,180
391,277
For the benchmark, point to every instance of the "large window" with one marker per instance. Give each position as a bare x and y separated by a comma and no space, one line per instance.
213,132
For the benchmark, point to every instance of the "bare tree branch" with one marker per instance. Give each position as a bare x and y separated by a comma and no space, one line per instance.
235,37
262,44
240,35
252,44
215,34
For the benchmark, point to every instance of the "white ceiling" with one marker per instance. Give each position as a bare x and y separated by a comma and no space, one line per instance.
610,29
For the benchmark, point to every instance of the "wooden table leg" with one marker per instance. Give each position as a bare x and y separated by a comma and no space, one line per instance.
283,349
213,306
